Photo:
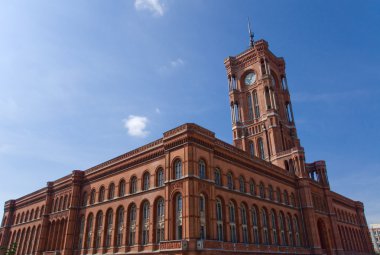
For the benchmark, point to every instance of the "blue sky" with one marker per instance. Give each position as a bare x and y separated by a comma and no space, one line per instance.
84,81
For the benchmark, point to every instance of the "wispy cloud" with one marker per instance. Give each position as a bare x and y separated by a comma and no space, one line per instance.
173,64
157,110
136,125
154,6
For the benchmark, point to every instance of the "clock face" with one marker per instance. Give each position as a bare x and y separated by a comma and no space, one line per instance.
250,78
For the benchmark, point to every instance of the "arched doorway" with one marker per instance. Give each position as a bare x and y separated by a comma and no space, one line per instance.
323,237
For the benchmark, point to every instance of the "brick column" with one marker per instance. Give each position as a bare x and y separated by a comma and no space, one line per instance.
72,221
45,219
334,225
9,210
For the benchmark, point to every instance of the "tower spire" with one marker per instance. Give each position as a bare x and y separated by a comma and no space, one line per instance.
251,42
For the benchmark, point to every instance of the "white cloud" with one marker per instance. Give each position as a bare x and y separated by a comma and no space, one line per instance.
136,125
154,6
173,64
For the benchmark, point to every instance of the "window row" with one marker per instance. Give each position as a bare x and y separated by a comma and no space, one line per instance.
29,215
116,229
101,195
61,203
26,240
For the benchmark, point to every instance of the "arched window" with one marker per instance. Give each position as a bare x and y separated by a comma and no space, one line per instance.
250,108
84,200
251,149
102,190
217,177
92,196
233,238
133,188
37,214
89,232
27,216
109,227
262,190
42,212
260,145
219,220
98,230
255,226
121,188
202,214
252,189
160,177
146,178
274,227
178,210
265,226
202,169
282,229
267,98
145,223
132,224
65,205
292,199
286,198
278,195
290,230
230,182
297,231
81,230
244,223
119,226
256,104
177,169
270,190
111,191
242,184
160,224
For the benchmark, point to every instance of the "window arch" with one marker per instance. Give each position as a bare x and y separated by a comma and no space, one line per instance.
230,181
290,230
270,191
160,177
133,185
102,190
242,184
177,169
109,223
217,177
160,222
255,226
26,216
111,191
81,232
122,188
98,229
219,220
265,226
119,226
252,188
292,200
145,223
274,227
250,108
132,224
202,169
262,190
65,202
278,195
146,181
84,201
282,228
89,231
233,237
178,213
260,145
244,223
251,149
286,198
202,216
256,104
36,215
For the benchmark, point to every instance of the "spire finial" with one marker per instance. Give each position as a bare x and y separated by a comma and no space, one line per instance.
251,42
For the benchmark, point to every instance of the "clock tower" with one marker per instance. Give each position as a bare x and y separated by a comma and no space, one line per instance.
263,123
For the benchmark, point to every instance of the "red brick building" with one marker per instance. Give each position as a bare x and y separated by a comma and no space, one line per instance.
191,193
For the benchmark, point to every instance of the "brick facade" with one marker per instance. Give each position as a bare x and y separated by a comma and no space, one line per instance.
191,193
